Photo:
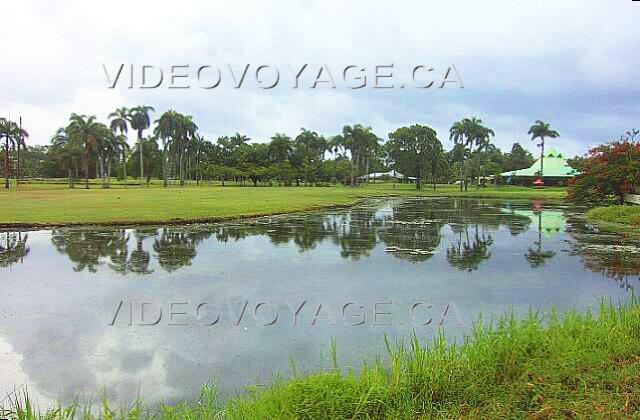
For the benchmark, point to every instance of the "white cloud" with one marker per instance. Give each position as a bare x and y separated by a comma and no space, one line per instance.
520,62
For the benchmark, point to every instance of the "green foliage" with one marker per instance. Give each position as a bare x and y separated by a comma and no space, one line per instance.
466,134
609,172
416,151
518,158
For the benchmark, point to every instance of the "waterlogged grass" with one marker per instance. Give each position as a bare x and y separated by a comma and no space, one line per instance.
46,204
573,365
624,218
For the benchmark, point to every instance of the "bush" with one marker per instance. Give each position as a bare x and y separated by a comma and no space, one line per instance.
609,172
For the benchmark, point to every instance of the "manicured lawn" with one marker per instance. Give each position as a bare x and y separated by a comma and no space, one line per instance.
569,366
44,204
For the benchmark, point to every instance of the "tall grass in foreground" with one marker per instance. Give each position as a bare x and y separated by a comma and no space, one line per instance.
552,366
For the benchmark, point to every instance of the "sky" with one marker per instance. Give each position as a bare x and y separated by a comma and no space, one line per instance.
573,64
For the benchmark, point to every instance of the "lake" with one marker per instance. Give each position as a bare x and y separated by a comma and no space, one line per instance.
158,311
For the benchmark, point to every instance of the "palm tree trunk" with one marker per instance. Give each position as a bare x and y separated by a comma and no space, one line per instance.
109,172
18,164
353,169
180,169
141,158
124,167
542,160
70,178
6,162
164,165
433,175
86,174
478,170
101,169
366,168
461,173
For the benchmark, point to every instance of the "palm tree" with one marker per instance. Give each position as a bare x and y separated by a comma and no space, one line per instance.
176,131
165,130
85,130
13,137
483,140
106,150
68,153
280,148
6,132
185,131
123,147
542,130
120,122
361,143
196,148
438,163
460,134
140,121
470,132
21,134
311,147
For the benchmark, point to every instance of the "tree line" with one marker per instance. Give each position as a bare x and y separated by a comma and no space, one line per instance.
172,148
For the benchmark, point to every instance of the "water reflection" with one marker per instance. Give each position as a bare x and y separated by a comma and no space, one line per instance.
176,247
469,250
410,229
485,256
610,255
13,248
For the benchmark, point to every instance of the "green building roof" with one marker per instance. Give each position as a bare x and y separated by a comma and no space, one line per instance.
555,166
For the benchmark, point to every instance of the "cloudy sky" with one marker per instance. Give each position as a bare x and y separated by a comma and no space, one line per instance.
573,64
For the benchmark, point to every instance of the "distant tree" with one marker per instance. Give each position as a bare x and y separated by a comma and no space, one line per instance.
20,135
608,173
120,123
518,158
86,131
280,148
577,163
140,121
470,132
436,162
361,144
66,153
123,148
541,130
14,136
411,147
309,149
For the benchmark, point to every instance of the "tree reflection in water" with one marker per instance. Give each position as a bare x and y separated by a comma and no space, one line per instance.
467,254
89,248
139,258
410,229
13,248
537,257
175,247
610,255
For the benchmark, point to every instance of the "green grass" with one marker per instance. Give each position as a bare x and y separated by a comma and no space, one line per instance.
47,204
573,365
624,218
